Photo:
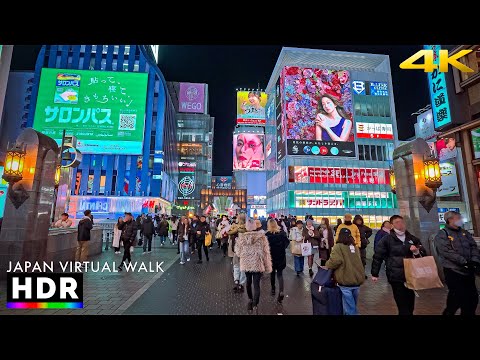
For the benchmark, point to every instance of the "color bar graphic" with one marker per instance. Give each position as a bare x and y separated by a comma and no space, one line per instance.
44,305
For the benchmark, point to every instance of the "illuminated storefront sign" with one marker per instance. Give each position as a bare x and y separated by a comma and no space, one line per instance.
373,88
258,206
337,175
374,131
191,98
186,149
222,182
449,186
341,199
425,128
437,85
256,199
186,180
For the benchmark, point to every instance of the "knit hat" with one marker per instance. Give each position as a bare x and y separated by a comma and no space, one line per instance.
348,217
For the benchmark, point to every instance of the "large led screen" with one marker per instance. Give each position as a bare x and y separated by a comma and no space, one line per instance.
248,151
251,107
319,113
105,110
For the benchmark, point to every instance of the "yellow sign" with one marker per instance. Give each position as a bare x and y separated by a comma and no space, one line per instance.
251,107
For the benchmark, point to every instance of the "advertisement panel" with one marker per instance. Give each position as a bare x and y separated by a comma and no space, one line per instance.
437,86
248,151
442,211
281,140
3,193
319,113
342,199
449,187
446,149
425,127
191,98
221,204
186,180
374,131
256,199
373,88
476,142
268,148
105,110
251,107
337,175
222,182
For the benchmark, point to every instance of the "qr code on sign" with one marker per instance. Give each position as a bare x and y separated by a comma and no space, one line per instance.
127,122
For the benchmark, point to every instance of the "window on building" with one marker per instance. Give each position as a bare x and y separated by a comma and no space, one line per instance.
103,179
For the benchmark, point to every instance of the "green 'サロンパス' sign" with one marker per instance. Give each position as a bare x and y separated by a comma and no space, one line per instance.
105,110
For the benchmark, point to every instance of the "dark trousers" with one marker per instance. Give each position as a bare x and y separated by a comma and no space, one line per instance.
462,293
174,236
219,242
255,278
192,243
279,277
225,247
363,256
404,298
116,249
126,253
200,244
147,241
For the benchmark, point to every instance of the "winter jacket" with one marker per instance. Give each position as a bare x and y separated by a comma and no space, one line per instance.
181,232
365,231
254,252
147,227
278,243
315,239
456,249
348,265
391,250
162,229
129,232
353,229
233,233
84,227
380,234
203,228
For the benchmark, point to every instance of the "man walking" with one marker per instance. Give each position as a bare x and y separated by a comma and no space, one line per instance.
147,229
201,230
83,237
347,223
128,236
460,258
392,249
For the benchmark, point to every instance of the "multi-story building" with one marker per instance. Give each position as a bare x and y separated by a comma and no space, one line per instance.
114,175
195,130
330,135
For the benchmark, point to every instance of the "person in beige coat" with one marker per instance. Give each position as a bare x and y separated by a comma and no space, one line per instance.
238,276
253,249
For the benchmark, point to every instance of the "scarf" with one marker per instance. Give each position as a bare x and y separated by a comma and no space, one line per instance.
310,230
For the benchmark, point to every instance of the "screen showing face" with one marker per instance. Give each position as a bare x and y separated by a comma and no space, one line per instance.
248,151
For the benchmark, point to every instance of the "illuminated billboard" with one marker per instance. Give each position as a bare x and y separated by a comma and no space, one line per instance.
374,131
248,151
191,98
318,112
105,110
338,175
251,107
341,199
448,172
186,180
280,123
222,182
446,148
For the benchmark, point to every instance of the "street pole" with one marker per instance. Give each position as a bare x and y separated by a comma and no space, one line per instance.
55,193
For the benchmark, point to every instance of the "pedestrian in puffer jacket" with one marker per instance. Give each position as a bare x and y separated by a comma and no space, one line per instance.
128,237
460,258
147,230
365,233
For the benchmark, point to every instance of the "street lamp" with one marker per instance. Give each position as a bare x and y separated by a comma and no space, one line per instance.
57,175
14,162
433,178
393,182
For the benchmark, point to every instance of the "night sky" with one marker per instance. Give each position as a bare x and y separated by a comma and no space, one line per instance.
225,68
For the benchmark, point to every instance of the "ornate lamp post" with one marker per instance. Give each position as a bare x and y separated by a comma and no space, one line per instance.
393,182
13,173
433,178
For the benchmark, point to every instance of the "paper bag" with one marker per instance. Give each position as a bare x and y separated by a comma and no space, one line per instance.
306,249
421,273
295,248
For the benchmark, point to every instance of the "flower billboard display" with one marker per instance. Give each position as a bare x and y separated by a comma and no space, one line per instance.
318,112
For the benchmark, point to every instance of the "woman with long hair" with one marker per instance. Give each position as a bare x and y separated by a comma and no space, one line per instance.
278,241
332,122
116,236
349,272
183,236
327,240
254,252
312,236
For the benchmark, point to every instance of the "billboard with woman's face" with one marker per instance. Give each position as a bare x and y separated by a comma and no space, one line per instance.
251,107
318,112
248,151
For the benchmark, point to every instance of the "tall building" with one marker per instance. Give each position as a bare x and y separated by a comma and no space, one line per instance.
330,135
195,131
114,99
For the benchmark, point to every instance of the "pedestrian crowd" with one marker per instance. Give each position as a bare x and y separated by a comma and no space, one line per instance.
259,246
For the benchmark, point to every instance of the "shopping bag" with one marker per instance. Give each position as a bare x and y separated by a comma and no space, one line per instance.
421,273
306,249
208,239
295,248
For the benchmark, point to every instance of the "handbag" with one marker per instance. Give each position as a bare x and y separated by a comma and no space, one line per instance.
295,248
208,239
421,273
306,249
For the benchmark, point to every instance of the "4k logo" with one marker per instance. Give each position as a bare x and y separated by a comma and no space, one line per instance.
432,62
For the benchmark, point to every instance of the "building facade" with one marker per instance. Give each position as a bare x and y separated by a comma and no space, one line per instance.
255,182
343,169
153,173
195,132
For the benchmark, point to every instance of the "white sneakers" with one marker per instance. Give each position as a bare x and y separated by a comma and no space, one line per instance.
188,259
181,263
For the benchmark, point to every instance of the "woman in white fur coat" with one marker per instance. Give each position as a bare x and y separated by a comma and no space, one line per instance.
254,252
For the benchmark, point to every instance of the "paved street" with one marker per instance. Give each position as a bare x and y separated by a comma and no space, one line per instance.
206,289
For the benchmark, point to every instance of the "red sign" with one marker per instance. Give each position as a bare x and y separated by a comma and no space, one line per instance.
252,121
337,175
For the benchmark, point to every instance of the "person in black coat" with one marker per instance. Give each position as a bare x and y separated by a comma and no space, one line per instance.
162,230
392,249
193,232
83,236
147,230
202,229
365,233
128,236
278,242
